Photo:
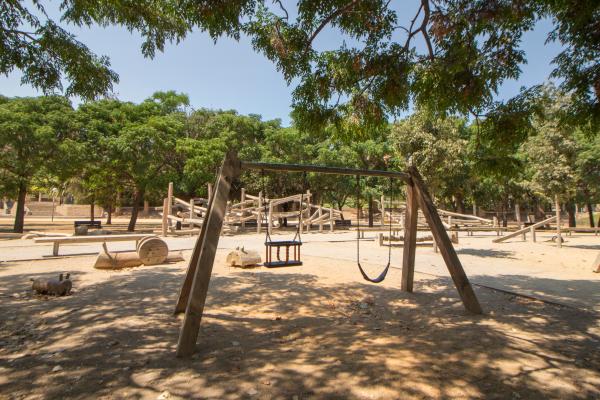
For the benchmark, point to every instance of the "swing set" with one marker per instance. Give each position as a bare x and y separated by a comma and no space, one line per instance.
192,296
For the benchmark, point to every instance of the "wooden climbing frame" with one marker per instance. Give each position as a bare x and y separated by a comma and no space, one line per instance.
192,295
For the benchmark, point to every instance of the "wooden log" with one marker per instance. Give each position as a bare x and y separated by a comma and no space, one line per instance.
53,287
152,251
214,223
241,257
410,239
445,245
108,260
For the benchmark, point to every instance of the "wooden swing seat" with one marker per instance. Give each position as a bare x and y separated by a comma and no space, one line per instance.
278,244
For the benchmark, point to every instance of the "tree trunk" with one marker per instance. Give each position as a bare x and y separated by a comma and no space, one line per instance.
590,214
137,199
109,216
460,203
20,215
92,209
570,206
370,211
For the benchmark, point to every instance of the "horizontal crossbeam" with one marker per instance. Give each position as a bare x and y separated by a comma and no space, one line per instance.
323,169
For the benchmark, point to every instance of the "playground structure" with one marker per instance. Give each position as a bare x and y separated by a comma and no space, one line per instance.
192,296
258,212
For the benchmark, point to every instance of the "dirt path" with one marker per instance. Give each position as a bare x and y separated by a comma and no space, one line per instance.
315,331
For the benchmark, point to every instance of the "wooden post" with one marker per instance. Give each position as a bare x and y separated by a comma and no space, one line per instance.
443,241
474,209
532,231
214,223
558,234
146,208
242,213
518,212
259,212
320,214
192,214
170,198
308,195
331,220
210,190
410,239
165,216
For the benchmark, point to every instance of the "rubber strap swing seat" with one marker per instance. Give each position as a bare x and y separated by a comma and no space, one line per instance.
383,273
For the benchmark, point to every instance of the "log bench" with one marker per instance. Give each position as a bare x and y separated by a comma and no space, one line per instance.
57,241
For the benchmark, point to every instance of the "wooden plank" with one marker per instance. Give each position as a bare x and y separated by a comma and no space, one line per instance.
410,239
524,230
214,224
92,239
445,245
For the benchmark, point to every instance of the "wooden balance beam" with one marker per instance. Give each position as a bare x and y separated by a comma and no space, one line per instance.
57,241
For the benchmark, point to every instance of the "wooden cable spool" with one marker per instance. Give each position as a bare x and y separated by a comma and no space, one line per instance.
152,250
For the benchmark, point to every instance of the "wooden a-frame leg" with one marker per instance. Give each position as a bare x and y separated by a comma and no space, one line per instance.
465,290
410,239
184,293
214,223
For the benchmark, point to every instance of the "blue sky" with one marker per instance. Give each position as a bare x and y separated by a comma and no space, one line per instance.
230,75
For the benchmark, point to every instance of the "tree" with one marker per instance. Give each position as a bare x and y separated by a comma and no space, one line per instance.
439,149
47,54
35,135
588,170
447,55
144,150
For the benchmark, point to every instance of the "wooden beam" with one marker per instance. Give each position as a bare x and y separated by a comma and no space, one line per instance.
445,245
214,223
324,170
184,293
410,239
523,230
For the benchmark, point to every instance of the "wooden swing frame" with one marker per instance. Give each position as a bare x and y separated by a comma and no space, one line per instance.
192,295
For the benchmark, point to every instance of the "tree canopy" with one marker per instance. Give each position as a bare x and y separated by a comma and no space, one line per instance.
447,55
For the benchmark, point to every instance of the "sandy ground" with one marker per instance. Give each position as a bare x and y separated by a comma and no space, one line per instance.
537,269
314,331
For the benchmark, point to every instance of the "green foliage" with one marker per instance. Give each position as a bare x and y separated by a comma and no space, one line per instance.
36,138
47,54
439,149
376,71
